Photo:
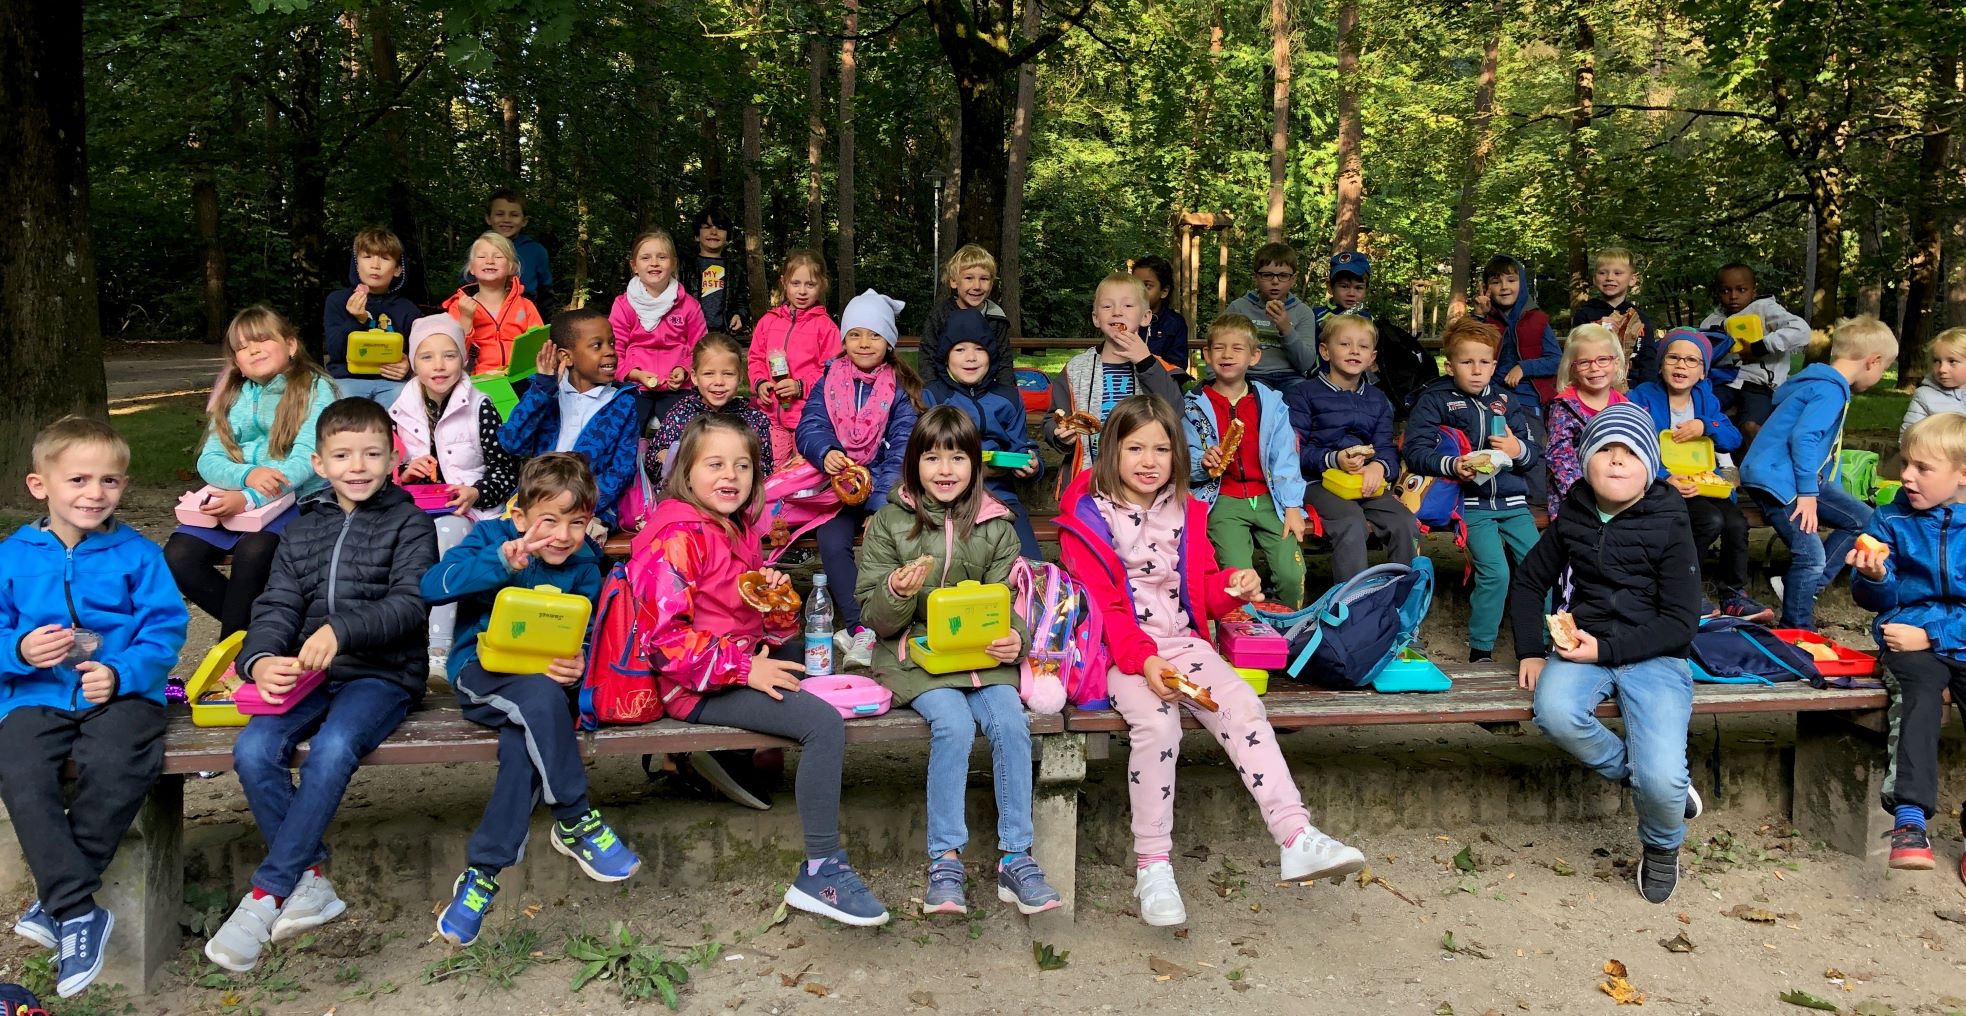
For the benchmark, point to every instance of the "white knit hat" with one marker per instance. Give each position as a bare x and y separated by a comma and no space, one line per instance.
874,312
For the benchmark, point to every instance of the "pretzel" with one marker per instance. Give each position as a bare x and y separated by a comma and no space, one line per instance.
766,598
1231,440
854,484
1188,689
1076,423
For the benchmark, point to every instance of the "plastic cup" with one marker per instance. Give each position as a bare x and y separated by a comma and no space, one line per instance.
87,644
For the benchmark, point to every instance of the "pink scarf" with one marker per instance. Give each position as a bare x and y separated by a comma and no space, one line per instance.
802,495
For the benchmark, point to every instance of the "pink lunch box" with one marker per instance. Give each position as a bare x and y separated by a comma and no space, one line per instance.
247,699
853,696
1253,644
433,498
252,520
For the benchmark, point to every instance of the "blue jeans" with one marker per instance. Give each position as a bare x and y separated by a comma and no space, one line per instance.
1493,538
1020,518
340,723
1815,559
953,716
378,389
1655,697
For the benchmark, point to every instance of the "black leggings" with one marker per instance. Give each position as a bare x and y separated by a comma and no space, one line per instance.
1718,518
194,564
821,734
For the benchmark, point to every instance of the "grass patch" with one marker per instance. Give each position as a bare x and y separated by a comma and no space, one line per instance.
1877,410
164,435
497,958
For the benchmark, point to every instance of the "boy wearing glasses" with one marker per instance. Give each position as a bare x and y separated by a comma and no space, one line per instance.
1286,327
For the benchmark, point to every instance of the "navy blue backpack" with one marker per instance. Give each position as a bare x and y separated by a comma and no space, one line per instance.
1728,650
1357,627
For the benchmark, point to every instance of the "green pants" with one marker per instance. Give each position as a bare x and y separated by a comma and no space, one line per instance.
1494,537
1239,525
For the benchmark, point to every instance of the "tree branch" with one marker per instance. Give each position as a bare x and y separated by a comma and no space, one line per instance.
1043,42
1729,220
394,102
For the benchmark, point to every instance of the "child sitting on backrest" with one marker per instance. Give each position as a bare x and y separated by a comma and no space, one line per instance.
1254,492
373,300
790,348
1792,474
82,681
572,404
1345,287
1750,376
716,374
1096,380
713,276
1624,550
342,600
974,349
656,324
1494,493
1944,387
1527,358
1286,327
543,542
1592,375
1614,276
971,275
1167,330
1346,424
492,306
1909,583
505,215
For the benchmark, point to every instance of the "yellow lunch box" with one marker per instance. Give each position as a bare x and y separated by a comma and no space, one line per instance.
211,701
1694,458
530,628
962,620
372,350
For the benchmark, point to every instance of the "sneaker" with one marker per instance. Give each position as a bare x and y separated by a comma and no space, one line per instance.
1480,655
1911,849
1658,874
1695,804
313,904
83,944
1313,855
471,897
1708,609
1160,898
835,891
856,647
595,847
1739,604
237,944
1021,881
945,888
37,927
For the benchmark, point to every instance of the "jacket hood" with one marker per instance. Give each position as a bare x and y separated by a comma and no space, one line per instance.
395,285
1525,297
37,536
1814,374
388,497
674,510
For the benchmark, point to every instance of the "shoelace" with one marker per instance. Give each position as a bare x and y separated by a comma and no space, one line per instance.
590,827
477,892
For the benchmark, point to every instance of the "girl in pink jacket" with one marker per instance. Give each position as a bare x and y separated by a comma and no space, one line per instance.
790,347
656,325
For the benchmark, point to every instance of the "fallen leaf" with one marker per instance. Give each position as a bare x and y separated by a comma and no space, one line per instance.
1464,861
1622,992
792,980
1443,1009
1685,918
1181,933
1562,867
1796,996
922,999
1167,968
1750,912
816,988
1955,916
531,911
1872,1007
778,916
1614,968
1364,877
1678,943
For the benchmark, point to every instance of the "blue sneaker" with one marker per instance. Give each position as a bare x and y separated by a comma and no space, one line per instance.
595,847
471,897
945,888
1021,881
835,891
83,944
37,927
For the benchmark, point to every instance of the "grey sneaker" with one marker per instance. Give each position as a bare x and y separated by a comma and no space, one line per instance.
855,646
313,904
1658,874
1021,881
945,888
238,943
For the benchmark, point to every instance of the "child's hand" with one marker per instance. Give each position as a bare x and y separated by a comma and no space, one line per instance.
1868,563
1691,430
641,377
567,672
396,371
1006,649
737,322
463,499
774,578
835,461
1353,460
423,467
1245,584
319,650
358,303
676,378
773,677
905,581
1528,672
1906,638
1279,315
547,363
276,676
1586,651
268,481
467,308
1129,346
1513,377
1293,524
98,682
1804,513
1211,460
518,552
1464,467
787,389
1685,486
1030,470
1374,475
1506,443
1155,684
224,504
46,646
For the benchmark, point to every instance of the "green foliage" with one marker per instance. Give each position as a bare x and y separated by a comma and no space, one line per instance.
640,969
498,958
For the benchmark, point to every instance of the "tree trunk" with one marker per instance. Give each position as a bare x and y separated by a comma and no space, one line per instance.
843,264
204,215
711,145
1826,194
1582,154
815,144
1870,239
1019,170
1480,144
50,336
952,206
583,246
1809,249
1927,229
1279,114
506,51
307,207
1202,134
985,117
378,22
1956,271
754,205
1351,171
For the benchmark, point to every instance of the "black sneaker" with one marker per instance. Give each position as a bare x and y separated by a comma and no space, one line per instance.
1480,655
1911,849
1658,874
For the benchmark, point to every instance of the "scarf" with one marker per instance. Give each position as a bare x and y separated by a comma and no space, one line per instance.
801,495
650,307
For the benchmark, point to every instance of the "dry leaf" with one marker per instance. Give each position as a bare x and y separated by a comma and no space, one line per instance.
792,980
1685,918
1622,992
1181,933
816,988
1167,968
1614,968
1749,912
923,999
1678,943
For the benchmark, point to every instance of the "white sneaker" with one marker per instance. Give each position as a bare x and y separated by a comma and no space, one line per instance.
313,904
1695,805
855,646
238,943
1316,856
1160,899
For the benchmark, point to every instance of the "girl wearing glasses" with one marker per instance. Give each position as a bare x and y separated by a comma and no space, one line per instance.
1592,373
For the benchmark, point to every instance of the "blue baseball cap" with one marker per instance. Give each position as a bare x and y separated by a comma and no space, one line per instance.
1351,262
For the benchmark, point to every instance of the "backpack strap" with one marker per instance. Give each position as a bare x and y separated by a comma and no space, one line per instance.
1763,650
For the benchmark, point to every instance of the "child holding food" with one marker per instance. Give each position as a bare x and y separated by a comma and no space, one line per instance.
1625,544
1904,567
1129,530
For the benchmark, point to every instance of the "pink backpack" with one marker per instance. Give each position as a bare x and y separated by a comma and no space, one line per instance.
1067,660
632,511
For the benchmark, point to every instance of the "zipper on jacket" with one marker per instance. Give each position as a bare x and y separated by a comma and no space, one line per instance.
334,560
74,620
1945,575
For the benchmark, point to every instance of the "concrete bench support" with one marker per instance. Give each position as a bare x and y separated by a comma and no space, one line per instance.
1840,762
144,888
1055,821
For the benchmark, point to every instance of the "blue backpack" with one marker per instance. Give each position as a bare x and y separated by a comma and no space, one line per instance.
1435,501
1358,626
1728,650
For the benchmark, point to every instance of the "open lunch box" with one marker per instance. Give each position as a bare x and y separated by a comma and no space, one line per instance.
1695,459
1832,658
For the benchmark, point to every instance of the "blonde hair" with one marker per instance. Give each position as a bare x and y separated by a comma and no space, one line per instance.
804,258
1333,324
1854,338
1952,340
1232,324
1131,415
1126,279
257,323
503,246
654,235
1943,434
57,438
968,256
1613,254
1585,335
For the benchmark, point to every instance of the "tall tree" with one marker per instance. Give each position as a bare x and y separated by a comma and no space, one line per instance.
204,216
1927,215
815,143
754,154
1582,152
1019,170
845,201
1481,143
307,204
377,23
1279,114
1351,169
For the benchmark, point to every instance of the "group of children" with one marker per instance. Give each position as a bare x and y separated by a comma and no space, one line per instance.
633,421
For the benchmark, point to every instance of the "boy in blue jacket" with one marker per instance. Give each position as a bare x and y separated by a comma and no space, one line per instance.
1917,586
90,624
1345,423
544,542
372,301
1791,473
1255,495
577,407
972,349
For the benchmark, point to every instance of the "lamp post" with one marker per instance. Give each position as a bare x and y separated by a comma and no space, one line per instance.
935,178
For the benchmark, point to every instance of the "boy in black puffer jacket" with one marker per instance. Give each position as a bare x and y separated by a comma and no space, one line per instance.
1634,587
344,598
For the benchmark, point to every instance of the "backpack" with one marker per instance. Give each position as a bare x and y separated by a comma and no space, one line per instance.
1856,470
1404,366
1357,627
1435,501
18,1001
631,512
619,687
1728,650
1067,660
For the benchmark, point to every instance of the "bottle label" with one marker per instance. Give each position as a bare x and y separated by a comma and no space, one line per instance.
819,655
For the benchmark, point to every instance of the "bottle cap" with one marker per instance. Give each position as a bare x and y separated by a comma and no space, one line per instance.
819,579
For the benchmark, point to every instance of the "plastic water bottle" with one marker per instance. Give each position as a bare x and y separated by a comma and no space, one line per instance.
819,629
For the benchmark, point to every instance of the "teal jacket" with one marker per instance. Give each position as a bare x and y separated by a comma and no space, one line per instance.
251,417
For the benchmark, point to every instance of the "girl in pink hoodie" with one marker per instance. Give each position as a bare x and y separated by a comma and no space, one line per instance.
1129,530
715,658
790,347
656,325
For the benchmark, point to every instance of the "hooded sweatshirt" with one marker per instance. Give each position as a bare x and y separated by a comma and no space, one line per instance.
997,410
337,323
114,583
471,574
806,339
1767,362
1931,397
1287,359
934,358
1527,342
1796,451
491,335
